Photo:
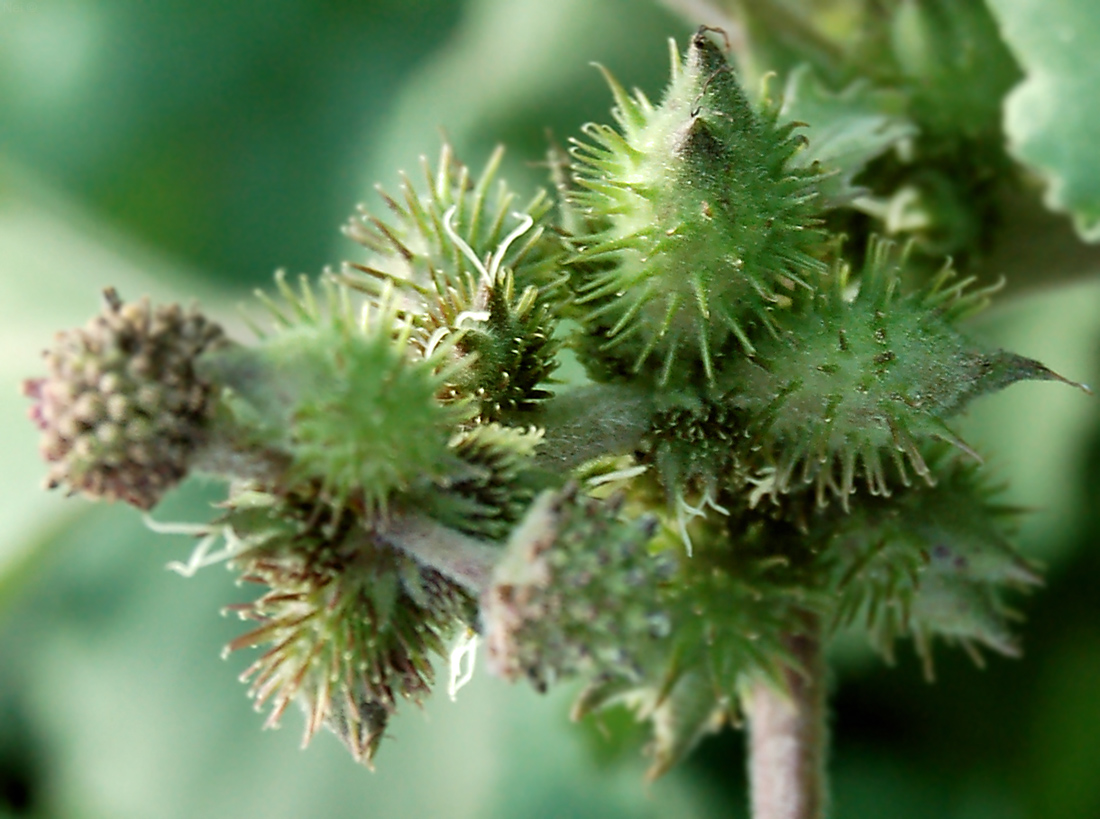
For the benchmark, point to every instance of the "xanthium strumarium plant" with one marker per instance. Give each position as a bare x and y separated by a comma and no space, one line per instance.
760,451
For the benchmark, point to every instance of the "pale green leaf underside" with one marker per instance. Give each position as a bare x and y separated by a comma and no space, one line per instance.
845,130
1051,118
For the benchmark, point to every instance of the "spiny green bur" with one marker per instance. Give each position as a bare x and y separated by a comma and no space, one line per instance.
856,379
695,225
930,560
339,391
474,271
350,625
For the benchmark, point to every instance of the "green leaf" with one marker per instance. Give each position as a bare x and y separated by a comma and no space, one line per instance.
846,130
54,260
1051,118
956,66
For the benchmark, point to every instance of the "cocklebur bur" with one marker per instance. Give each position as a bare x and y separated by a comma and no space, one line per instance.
694,224
853,380
350,624
471,269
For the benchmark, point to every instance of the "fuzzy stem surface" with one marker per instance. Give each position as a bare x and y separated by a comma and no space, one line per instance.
465,560
589,422
787,736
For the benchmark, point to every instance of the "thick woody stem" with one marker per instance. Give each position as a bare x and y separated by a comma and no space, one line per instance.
787,736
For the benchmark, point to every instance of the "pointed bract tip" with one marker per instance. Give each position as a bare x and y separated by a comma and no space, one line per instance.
1044,373
704,57
703,30
1024,574
1003,368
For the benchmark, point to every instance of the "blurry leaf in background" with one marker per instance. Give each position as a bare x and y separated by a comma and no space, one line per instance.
957,68
1051,118
846,131
518,70
227,133
54,262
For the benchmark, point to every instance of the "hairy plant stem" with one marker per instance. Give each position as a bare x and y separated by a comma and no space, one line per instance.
224,455
589,422
787,735
464,559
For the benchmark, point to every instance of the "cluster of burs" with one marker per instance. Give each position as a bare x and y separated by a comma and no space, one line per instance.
641,436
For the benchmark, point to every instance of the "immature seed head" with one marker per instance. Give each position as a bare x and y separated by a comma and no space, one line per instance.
578,592
122,409
349,627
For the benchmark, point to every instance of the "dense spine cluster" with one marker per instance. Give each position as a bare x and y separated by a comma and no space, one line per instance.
350,624
474,272
696,225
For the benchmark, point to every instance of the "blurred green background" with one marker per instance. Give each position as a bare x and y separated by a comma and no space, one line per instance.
188,149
